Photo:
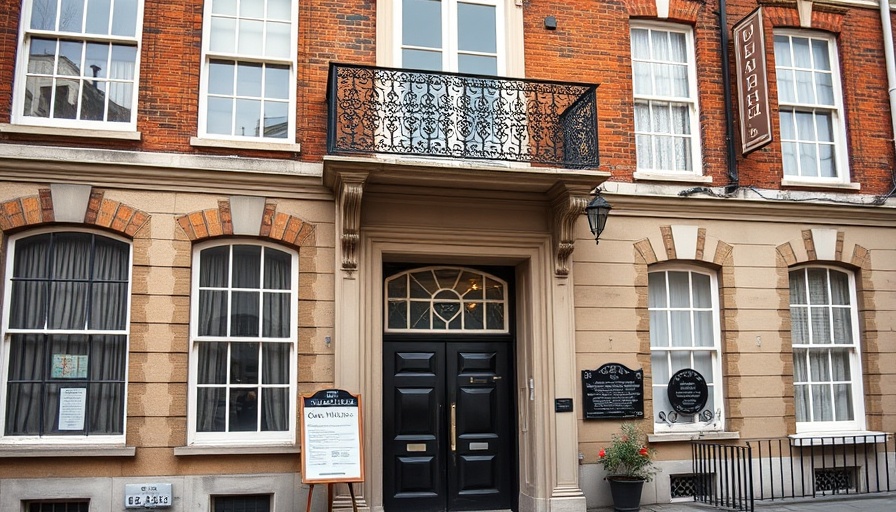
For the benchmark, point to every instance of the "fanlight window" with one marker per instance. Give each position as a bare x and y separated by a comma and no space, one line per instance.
446,299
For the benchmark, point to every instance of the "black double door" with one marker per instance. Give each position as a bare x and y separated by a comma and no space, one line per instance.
449,426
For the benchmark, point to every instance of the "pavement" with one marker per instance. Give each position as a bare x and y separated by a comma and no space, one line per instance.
885,502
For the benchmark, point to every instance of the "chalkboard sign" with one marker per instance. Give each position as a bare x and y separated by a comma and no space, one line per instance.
331,437
687,391
612,391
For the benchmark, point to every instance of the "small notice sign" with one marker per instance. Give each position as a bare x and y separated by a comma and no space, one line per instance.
72,407
331,437
69,366
147,496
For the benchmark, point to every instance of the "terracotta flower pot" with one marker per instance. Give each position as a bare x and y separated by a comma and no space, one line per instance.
626,492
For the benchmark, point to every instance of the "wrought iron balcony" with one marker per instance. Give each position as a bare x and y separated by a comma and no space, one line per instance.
425,113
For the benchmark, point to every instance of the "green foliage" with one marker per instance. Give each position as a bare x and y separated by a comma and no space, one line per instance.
628,454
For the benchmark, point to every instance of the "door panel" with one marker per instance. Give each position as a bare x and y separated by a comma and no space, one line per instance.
448,426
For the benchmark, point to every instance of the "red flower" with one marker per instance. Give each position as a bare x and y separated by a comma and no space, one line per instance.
643,452
602,453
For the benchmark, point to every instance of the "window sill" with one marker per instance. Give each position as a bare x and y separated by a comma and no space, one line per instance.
669,437
66,451
838,438
187,451
69,132
674,177
245,144
820,184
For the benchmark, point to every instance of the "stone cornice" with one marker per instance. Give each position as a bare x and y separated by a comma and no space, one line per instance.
161,171
764,210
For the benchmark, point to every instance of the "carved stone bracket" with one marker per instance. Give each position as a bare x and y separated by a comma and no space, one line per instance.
567,207
350,188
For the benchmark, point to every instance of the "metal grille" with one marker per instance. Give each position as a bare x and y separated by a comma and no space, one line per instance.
58,506
455,115
244,503
834,480
683,486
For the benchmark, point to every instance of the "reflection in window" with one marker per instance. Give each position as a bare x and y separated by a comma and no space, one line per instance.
88,72
446,299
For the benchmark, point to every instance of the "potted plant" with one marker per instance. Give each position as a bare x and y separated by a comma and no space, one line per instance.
628,463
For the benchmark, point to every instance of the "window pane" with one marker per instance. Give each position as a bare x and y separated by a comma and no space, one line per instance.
248,118
703,331
248,81
43,14
211,409
820,57
276,82
843,402
222,37
279,10
243,410
800,365
212,365
421,23
659,365
244,363
276,315
274,413
703,364
275,357
124,19
801,400
250,37
822,404
679,289
277,40
821,325
420,59
477,64
212,313
681,329
819,368
659,329
244,314
220,116
221,77
702,291
476,26
246,266
72,16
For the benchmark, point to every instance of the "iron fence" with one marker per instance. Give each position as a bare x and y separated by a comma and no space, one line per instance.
735,476
435,114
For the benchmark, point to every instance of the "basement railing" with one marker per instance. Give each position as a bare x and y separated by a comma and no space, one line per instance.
733,477
454,115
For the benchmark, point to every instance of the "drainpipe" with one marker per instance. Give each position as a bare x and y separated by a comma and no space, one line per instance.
733,179
891,71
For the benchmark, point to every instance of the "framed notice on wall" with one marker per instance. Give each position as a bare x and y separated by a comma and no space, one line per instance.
332,450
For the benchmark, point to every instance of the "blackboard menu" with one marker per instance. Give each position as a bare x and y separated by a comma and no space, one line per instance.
612,391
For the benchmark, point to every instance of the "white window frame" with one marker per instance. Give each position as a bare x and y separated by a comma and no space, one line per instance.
510,35
208,55
449,49
855,356
279,438
26,34
5,331
716,391
841,155
691,101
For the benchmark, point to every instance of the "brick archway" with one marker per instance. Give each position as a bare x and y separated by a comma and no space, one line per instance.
34,211
216,222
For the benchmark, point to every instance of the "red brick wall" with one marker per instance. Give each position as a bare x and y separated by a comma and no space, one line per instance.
590,44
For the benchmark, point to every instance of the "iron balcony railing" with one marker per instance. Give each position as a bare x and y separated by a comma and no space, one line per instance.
435,114
735,476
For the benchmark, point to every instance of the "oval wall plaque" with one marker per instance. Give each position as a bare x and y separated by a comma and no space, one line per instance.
687,391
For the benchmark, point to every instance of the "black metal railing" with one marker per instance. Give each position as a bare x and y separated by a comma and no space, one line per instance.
735,476
724,475
426,113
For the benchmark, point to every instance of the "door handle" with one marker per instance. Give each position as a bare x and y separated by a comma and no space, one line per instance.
453,427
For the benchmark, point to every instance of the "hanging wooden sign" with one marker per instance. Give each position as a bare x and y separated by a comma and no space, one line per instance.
332,448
